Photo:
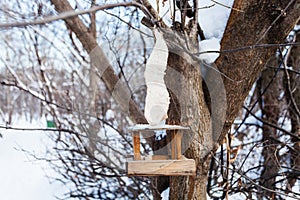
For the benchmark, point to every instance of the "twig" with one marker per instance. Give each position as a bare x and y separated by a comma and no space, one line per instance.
206,7
37,129
261,94
294,104
289,70
272,125
128,24
251,47
221,4
253,182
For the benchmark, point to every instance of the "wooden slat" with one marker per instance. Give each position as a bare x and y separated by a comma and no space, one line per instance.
160,157
136,146
147,127
184,167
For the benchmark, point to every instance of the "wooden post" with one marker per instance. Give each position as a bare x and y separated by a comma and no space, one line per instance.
173,145
136,146
176,144
178,138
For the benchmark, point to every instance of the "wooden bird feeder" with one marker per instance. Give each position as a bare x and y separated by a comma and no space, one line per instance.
160,165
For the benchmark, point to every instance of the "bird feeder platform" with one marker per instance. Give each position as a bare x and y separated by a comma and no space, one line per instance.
160,165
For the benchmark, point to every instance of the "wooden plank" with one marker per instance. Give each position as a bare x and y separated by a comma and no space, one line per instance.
136,146
147,127
182,167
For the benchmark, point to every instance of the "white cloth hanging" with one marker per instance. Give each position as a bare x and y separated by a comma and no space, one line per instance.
157,98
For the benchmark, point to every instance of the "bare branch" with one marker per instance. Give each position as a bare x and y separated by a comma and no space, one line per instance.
242,174
272,125
72,13
294,104
37,129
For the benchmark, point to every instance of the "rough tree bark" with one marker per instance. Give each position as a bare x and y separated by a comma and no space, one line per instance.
257,22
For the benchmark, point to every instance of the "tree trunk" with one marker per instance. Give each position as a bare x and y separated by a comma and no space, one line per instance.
193,113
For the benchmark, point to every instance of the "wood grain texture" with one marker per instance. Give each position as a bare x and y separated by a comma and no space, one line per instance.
136,146
184,167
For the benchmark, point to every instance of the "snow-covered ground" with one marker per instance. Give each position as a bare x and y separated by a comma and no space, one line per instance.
21,176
